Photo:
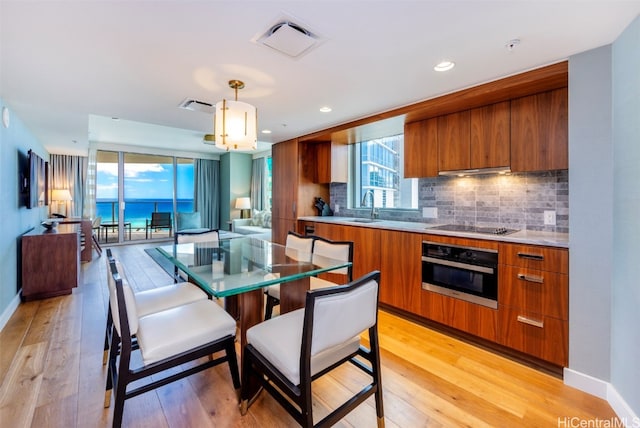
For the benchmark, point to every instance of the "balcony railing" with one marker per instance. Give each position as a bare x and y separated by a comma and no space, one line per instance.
136,214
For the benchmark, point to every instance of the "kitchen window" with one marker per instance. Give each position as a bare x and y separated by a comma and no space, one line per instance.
378,166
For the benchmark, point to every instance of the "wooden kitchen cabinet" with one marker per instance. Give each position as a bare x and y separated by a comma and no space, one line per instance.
539,132
547,339
454,141
400,260
331,162
293,189
490,141
469,317
366,244
476,138
50,262
459,314
533,301
421,148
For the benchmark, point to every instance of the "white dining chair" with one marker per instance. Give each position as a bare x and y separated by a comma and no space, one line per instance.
287,353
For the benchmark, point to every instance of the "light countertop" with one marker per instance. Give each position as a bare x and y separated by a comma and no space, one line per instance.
551,239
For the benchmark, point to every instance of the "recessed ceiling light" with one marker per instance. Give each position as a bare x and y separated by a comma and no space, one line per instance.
266,131
325,109
444,66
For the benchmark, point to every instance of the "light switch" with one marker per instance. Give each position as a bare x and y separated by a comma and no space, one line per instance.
550,218
429,212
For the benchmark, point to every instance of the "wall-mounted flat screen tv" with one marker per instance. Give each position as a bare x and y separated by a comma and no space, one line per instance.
37,181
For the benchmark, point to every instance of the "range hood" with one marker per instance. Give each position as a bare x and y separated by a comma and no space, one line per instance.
475,171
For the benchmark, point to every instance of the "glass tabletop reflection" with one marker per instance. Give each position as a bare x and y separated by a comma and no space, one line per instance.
239,265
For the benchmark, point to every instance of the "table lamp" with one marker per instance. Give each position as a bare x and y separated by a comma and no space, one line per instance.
243,204
61,196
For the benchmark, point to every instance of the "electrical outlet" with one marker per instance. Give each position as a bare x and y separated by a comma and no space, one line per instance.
336,208
429,212
550,218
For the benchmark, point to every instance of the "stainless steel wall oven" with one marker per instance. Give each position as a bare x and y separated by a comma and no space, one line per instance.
465,273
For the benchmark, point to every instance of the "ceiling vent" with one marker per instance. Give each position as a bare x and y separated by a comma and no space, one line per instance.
289,38
195,105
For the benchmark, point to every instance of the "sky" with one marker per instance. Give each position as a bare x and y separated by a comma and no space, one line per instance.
144,181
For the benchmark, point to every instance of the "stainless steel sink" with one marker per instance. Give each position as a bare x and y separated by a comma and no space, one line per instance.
364,220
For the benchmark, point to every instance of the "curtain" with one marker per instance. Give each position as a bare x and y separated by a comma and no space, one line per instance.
258,194
206,192
69,172
89,208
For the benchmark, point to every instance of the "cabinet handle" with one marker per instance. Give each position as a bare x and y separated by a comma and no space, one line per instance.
529,321
531,256
293,208
531,278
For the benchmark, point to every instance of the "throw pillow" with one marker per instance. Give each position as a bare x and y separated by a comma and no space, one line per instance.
267,219
258,218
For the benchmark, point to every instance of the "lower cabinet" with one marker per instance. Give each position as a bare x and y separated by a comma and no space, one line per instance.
400,266
50,262
468,317
366,244
533,301
533,288
543,337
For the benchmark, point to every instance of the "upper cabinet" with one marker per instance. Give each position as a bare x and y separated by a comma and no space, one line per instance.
476,138
331,166
454,141
490,136
421,148
539,131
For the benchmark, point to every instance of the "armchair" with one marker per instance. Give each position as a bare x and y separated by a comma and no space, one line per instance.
189,229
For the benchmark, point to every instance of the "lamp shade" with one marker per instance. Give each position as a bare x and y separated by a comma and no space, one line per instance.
235,126
243,203
61,195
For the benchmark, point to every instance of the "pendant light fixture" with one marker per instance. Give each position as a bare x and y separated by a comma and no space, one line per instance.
235,123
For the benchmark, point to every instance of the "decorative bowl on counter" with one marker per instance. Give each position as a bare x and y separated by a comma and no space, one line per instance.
49,225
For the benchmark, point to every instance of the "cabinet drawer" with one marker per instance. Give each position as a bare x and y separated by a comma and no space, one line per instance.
468,317
535,257
543,337
534,291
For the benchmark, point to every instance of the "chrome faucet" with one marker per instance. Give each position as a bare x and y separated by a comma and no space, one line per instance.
364,203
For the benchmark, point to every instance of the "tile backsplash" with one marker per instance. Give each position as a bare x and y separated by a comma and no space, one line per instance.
516,200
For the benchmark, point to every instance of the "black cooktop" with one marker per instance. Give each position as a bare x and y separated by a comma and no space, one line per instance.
475,229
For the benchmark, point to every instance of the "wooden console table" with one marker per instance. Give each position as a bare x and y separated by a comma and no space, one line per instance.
50,264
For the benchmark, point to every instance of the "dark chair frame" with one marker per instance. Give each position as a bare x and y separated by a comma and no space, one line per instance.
120,374
271,301
257,367
159,220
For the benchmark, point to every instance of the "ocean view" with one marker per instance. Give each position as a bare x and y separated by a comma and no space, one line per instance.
137,211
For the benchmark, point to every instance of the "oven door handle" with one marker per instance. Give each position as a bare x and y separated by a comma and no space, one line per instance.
474,268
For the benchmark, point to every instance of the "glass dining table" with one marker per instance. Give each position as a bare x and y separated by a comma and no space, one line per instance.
238,270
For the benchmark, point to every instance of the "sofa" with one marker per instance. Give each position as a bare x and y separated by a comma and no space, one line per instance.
258,224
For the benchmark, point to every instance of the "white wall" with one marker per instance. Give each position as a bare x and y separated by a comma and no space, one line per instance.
604,223
625,331
15,220
590,212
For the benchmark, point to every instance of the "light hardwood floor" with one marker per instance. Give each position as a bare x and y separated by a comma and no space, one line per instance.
52,375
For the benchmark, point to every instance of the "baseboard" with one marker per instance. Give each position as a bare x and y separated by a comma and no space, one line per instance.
622,408
604,390
586,383
10,309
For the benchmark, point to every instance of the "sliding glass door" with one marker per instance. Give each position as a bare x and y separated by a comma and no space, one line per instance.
138,195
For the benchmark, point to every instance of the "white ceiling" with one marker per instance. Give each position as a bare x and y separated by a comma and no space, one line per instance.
68,67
